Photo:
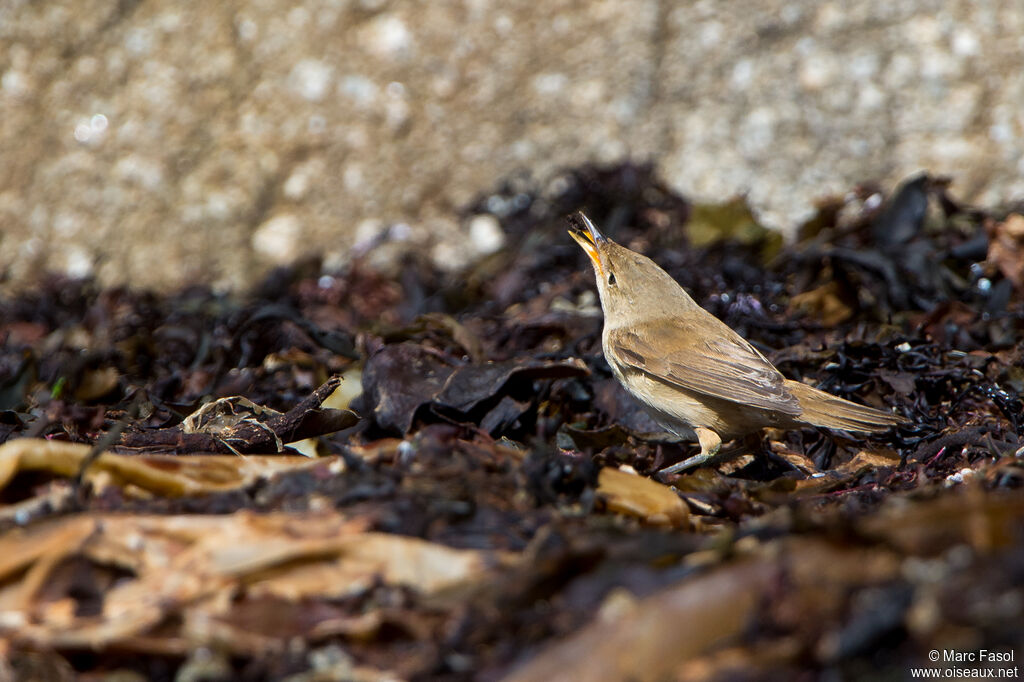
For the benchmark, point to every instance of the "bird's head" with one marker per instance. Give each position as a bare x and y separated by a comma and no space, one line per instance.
629,284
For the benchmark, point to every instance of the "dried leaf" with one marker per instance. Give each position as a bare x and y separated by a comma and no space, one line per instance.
1006,248
165,475
239,426
461,334
349,389
627,493
797,460
825,303
402,378
836,478
866,459
187,571
220,417
664,630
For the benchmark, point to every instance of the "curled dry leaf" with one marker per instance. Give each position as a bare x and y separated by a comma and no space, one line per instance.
832,479
186,572
797,460
221,419
635,495
237,425
164,475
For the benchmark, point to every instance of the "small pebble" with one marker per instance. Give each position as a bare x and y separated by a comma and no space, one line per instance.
486,234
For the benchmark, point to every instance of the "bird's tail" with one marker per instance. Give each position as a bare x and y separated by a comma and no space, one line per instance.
824,409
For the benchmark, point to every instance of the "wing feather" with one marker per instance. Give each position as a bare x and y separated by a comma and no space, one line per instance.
727,367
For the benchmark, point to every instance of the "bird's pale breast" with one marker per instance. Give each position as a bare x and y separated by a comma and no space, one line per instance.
679,411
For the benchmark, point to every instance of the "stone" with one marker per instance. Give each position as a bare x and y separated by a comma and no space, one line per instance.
194,140
485,234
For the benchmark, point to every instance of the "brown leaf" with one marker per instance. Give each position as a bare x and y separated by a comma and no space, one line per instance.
402,378
824,303
865,459
187,571
239,426
662,631
798,460
164,475
1006,248
636,495
846,472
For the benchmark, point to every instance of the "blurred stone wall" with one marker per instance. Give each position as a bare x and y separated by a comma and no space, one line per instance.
160,143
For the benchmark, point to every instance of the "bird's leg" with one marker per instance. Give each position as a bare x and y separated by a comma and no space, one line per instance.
710,444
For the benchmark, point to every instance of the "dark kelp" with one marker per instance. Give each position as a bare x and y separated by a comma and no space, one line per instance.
457,528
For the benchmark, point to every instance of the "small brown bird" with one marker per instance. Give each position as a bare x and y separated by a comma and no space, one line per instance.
692,373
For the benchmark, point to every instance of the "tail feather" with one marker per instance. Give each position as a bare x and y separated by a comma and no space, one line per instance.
826,410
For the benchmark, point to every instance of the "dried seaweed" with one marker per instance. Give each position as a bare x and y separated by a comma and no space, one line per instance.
485,507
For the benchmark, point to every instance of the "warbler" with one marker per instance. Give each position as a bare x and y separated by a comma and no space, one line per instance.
693,374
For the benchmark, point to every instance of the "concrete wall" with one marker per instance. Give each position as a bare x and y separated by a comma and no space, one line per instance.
163,142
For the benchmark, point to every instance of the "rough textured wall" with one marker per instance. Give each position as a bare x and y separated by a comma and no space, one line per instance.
164,142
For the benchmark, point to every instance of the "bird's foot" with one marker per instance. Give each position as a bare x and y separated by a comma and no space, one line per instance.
710,444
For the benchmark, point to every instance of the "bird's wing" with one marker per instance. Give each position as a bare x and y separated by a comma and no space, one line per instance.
725,366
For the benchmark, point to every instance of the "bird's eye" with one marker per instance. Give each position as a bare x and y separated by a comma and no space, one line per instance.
611,278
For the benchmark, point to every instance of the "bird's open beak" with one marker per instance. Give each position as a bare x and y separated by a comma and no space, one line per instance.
588,237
